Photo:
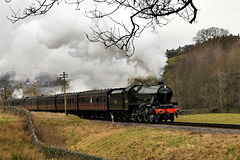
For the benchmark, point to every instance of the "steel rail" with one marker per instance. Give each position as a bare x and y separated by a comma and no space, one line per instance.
211,125
190,124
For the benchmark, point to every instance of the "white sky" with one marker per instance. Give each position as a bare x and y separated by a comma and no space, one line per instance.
212,13
55,42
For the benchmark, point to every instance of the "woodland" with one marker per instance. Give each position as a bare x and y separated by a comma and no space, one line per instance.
206,77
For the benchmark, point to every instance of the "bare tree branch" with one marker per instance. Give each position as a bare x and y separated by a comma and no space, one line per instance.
152,12
38,8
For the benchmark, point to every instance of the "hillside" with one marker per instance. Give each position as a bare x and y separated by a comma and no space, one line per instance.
207,77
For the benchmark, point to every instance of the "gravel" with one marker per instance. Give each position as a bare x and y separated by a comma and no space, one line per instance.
188,128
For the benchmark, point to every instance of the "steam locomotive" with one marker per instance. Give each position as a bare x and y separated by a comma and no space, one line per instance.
148,103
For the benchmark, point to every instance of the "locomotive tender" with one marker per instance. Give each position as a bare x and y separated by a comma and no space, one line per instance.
149,103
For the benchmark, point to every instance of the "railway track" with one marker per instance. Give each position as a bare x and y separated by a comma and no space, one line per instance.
208,127
192,124
211,125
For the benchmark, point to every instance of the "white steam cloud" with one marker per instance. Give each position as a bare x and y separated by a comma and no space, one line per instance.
56,42
17,93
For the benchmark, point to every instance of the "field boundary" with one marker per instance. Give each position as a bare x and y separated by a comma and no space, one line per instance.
49,151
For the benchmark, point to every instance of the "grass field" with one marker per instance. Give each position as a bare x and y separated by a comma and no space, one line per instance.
122,142
221,118
173,60
15,143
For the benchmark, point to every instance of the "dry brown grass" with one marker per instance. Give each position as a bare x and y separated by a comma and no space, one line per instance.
15,143
121,142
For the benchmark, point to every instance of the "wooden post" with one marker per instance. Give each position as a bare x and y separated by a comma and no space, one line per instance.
112,117
64,76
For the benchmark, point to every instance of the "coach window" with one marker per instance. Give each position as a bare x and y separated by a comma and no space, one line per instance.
97,99
91,99
104,99
74,100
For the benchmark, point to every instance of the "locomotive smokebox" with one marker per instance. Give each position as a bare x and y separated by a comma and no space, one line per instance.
164,94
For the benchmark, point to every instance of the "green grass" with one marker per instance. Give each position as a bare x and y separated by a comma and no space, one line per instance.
173,60
220,118
6,119
122,142
170,66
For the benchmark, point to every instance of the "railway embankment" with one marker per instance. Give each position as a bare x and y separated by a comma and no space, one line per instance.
49,150
133,142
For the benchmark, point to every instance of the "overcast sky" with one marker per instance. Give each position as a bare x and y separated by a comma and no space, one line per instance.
55,42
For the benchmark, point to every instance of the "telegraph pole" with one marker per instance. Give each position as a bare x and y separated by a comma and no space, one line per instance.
64,76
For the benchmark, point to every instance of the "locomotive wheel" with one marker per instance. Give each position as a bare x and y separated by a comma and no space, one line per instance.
140,118
156,118
134,118
146,118
134,115
151,118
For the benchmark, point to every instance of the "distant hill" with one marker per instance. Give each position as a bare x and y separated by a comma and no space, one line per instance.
206,76
179,51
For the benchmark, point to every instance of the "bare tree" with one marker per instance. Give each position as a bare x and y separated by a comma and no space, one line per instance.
204,35
152,12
